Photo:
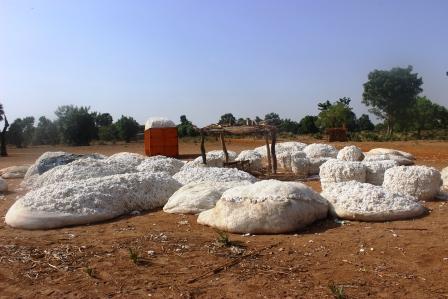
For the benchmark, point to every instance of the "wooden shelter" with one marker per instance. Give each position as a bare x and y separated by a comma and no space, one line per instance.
264,130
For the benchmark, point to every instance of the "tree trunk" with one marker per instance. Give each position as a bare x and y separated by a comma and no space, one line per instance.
3,151
204,158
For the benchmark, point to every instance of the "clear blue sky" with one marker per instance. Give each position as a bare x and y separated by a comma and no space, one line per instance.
205,58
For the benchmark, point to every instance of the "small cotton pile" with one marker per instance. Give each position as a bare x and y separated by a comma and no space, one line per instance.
315,163
388,151
383,157
266,207
253,157
375,170
289,146
194,198
421,182
3,185
214,158
159,122
444,174
91,200
336,171
212,174
350,153
300,166
284,159
366,202
14,172
160,164
320,150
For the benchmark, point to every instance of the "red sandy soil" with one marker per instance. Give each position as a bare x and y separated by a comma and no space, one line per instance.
175,257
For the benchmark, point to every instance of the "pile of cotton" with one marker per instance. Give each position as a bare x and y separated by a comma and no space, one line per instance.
421,182
127,160
289,146
79,170
315,163
211,174
337,171
3,185
375,170
214,158
253,157
320,150
91,200
33,169
366,202
160,164
350,153
444,174
159,122
388,151
266,207
194,198
14,172
397,158
300,166
284,159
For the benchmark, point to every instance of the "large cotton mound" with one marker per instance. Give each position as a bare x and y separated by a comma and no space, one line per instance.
315,163
91,200
129,160
444,174
194,198
80,170
336,171
320,150
33,170
300,166
284,159
366,202
397,158
253,157
212,174
289,146
214,158
161,164
388,151
14,172
421,182
159,122
3,185
350,153
375,170
266,207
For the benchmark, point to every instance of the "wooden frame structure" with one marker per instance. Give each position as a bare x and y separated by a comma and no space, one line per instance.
264,130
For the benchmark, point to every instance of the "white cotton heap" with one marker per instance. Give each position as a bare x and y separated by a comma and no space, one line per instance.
214,158
91,200
3,185
159,122
212,174
388,151
284,159
266,207
375,170
315,163
126,159
160,164
350,153
300,166
194,198
320,150
32,170
14,172
253,157
365,202
289,146
444,174
382,157
421,182
336,171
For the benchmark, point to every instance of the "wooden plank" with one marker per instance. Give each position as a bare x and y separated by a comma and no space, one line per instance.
266,138
273,154
224,148
204,158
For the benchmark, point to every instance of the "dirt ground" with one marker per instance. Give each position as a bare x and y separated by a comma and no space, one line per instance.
163,255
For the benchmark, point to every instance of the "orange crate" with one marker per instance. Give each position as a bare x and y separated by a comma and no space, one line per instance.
161,141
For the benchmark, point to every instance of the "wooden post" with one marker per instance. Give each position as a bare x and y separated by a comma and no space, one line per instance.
266,138
274,156
223,143
204,158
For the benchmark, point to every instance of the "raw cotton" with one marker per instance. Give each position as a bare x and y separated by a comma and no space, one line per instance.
320,150
421,182
212,174
315,163
194,198
215,158
350,153
159,122
397,158
336,171
3,185
253,157
365,202
160,164
91,200
289,146
444,174
388,151
128,160
375,170
14,172
300,166
284,159
266,207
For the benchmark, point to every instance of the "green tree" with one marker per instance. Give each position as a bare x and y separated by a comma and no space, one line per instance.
364,124
337,114
186,128
46,132
76,125
391,93
288,125
21,132
424,115
127,128
108,133
103,119
307,125
273,119
227,119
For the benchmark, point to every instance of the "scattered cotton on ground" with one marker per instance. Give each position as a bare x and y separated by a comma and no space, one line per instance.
336,171
212,174
91,200
320,150
366,202
266,207
375,170
161,164
421,182
350,153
